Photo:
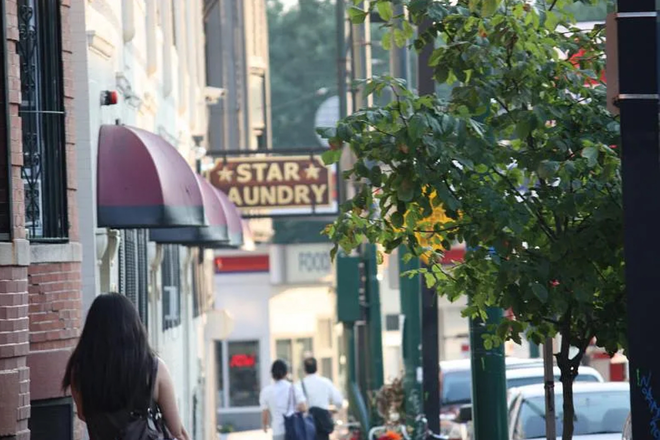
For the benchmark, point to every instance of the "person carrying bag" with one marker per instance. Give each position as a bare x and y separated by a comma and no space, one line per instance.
121,389
297,424
320,393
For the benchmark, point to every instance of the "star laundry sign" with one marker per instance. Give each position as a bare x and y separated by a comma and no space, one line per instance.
274,182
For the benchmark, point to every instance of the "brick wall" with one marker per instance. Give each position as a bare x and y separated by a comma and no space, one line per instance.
40,303
14,346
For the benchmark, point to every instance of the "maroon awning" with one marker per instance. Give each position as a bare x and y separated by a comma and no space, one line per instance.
143,182
215,235
234,220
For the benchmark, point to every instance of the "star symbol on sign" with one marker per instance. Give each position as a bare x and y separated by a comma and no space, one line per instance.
312,172
225,174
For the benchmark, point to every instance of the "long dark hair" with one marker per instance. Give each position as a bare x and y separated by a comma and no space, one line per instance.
112,363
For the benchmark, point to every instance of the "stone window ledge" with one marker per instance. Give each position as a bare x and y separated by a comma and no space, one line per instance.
23,253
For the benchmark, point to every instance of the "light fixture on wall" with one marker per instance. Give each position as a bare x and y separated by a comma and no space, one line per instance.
109,97
200,152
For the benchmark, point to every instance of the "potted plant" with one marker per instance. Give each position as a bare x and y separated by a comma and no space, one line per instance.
224,431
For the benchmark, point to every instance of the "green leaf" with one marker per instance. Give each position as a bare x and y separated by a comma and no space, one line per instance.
399,38
379,257
330,157
540,292
417,127
405,192
385,10
434,59
548,169
408,30
551,21
356,15
523,128
441,74
430,280
386,40
397,219
489,7
591,154
583,295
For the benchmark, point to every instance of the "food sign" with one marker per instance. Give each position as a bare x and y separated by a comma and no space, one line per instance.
274,183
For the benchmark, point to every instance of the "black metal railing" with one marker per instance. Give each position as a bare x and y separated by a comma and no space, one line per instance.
43,120
171,286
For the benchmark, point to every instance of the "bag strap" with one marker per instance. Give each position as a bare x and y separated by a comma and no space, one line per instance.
302,381
292,399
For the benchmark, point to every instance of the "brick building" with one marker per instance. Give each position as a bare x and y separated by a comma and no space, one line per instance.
40,253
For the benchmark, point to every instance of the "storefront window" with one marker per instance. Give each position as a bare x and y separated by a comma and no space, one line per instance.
326,368
303,348
283,350
244,383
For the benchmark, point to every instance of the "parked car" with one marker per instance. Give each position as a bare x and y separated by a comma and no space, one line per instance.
600,411
627,429
520,377
457,380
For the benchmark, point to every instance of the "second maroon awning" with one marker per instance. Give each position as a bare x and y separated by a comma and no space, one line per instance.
224,224
215,234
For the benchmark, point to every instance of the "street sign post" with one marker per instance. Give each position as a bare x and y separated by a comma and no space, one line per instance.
638,103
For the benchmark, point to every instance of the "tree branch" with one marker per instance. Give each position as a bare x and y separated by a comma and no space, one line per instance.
544,225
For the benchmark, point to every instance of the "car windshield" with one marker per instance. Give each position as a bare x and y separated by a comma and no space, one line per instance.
533,380
597,412
456,387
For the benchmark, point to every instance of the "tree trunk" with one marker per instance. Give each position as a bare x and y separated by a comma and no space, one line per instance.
569,409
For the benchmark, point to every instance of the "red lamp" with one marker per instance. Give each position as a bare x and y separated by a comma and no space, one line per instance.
109,97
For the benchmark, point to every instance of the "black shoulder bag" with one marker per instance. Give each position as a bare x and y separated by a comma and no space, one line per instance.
322,417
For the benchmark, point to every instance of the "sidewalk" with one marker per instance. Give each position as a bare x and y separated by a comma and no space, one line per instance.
248,435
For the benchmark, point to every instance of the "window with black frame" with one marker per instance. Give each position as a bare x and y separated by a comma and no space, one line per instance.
171,284
43,119
134,270
244,380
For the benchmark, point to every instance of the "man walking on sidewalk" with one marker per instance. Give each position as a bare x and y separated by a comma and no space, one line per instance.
320,393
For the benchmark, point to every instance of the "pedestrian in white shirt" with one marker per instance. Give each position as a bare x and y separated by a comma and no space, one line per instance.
275,401
320,393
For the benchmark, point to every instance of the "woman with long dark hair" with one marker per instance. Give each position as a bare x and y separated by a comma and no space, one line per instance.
113,372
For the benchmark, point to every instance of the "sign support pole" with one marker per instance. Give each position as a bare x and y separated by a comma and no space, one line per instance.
640,143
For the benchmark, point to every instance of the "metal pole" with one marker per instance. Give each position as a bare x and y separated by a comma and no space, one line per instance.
411,309
430,343
489,407
638,104
431,358
375,319
549,379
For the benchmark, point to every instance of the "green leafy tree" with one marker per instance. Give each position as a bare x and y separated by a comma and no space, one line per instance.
522,160
303,68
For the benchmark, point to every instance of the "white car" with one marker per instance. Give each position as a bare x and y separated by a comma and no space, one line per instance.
601,410
457,380
532,375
